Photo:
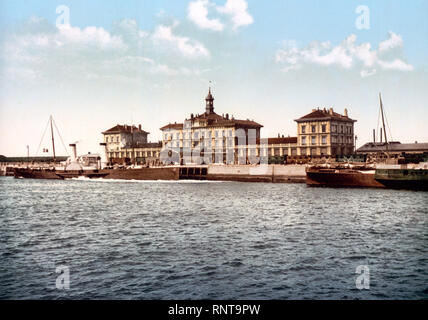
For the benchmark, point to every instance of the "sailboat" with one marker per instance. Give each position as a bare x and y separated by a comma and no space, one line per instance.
88,165
380,175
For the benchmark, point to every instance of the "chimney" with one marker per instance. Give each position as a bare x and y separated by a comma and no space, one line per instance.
345,113
330,111
105,152
139,127
74,152
191,116
227,116
374,136
313,110
279,136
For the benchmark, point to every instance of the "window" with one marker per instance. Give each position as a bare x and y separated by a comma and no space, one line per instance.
196,135
313,140
323,139
117,139
209,134
303,129
216,134
314,128
303,151
223,134
333,128
230,133
177,136
323,128
303,140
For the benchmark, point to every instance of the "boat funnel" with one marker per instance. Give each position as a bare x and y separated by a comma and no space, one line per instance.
105,159
74,152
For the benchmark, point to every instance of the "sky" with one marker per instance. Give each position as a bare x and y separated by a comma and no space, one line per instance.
95,64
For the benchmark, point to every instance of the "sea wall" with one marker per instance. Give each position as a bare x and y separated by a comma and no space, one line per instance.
257,173
162,173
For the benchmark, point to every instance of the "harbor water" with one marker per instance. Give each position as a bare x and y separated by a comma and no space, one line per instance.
209,240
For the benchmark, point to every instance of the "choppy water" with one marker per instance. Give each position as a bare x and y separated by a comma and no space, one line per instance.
202,240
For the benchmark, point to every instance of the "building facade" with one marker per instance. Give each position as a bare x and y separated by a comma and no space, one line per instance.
129,144
325,133
210,138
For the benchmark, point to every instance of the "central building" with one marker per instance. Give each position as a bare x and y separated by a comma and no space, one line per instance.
210,138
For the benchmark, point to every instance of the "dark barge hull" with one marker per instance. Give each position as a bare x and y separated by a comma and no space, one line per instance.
36,174
121,174
411,179
405,184
341,178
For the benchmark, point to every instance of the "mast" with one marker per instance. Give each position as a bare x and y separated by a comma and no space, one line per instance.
383,122
53,140
132,144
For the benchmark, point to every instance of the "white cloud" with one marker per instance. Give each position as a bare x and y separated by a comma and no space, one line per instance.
237,9
87,37
396,64
394,41
198,13
367,73
38,53
187,47
347,55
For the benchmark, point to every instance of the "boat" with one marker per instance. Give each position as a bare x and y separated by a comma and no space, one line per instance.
88,165
91,166
411,178
380,175
342,177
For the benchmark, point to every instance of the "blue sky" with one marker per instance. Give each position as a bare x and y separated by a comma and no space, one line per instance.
149,62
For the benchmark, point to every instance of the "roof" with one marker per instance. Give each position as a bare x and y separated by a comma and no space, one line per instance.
282,140
172,126
212,119
137,144
393,146
124,129
324,114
